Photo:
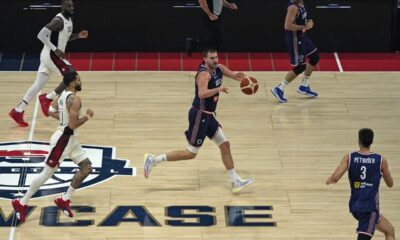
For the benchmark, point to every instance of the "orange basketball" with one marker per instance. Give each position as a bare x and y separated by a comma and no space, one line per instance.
249,85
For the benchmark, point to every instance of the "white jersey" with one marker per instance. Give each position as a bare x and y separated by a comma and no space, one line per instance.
63,112
63,35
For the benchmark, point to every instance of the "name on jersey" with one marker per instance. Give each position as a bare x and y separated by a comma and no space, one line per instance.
364,160
176,216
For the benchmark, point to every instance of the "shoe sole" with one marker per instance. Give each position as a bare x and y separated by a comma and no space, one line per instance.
242,188
145,157
277,97
308,95
41,108
20,124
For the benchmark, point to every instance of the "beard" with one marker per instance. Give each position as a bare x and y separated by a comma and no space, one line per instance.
78,88
68,14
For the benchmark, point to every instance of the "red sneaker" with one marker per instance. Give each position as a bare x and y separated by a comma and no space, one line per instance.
19,209
63,205
18,117
45,104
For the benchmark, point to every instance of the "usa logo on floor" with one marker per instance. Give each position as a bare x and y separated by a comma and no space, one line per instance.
21,161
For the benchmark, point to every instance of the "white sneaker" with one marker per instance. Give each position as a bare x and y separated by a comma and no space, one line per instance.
241,184
148,164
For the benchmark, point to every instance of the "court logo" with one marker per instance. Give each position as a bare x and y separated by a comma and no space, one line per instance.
21,162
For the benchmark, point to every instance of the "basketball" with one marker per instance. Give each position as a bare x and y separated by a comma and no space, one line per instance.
249,85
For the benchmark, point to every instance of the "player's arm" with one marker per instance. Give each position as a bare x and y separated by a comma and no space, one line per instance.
53,110
55,25
289,20
340,170
231,74
386,173
81,34
202,82
204,6
74,104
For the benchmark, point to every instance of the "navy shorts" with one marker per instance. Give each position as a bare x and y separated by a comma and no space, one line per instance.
367,222
299,47
201,124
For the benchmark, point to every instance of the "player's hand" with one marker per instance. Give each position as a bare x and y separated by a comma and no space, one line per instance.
240,75
59,53
213,17
233,6
309,24
224,89
83,34
90,112
329,181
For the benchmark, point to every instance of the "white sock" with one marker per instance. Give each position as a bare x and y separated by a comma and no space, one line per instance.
283,85
41,80
234,176
37,183
51,95
306,81
21,106
67,195
160,158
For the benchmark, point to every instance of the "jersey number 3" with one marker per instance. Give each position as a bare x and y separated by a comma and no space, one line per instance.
363,172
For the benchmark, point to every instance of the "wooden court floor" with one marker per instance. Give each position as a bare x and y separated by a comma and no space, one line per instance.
290,149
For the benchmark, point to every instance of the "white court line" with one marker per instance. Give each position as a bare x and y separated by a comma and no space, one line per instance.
338,62
12,230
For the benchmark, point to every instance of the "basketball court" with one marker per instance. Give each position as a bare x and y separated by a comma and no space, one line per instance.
289,149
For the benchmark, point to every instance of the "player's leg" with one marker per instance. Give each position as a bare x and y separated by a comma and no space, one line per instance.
195,136
48,171
310,50
79,157
296,61
386,228
216,134
21,205
17,113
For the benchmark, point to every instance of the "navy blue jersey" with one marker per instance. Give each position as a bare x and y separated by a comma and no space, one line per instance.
301,17
208,104
364,176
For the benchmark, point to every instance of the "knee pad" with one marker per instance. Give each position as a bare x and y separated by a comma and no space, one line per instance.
219,137
313,58
299,69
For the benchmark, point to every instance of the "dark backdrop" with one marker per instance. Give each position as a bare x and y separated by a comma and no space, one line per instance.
156,25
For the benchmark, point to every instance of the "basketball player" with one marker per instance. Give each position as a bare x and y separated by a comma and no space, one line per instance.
365,171
202,122
63,144
300,47
51,61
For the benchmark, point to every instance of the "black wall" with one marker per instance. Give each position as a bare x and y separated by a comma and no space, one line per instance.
154,25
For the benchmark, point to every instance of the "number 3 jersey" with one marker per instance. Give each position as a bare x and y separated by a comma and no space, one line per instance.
364,176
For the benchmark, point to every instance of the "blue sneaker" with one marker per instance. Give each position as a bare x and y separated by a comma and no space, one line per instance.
306,91
278,93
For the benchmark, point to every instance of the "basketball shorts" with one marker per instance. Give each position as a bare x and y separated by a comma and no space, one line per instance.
51,64
63,145
367,222
201,125
299,47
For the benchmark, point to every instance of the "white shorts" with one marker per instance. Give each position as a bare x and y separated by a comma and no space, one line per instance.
59,151
53,65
